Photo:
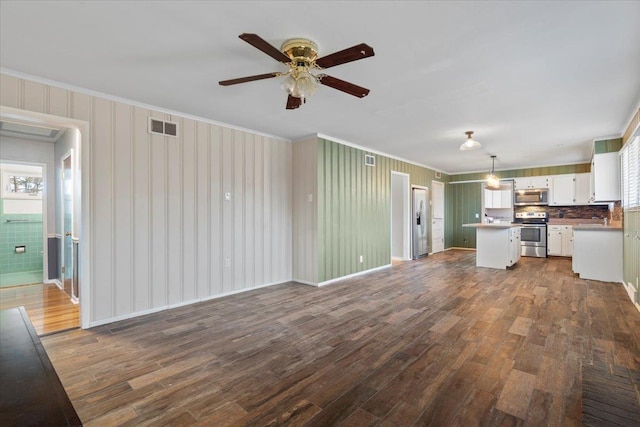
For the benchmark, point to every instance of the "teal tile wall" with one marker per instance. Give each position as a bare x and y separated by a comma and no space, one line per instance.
14,234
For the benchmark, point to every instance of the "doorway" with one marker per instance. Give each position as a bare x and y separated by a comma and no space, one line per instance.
400,217
420,224
437,214
66,214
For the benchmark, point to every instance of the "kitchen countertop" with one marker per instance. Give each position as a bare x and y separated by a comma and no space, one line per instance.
598,227
500,225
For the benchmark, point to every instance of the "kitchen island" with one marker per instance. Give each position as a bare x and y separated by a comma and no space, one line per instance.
497,245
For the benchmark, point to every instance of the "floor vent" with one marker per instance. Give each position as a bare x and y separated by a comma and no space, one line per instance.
163,127
369,160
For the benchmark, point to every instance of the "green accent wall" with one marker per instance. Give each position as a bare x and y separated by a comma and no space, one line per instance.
607,145
354,208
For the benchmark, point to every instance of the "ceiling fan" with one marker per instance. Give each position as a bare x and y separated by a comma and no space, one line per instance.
301,56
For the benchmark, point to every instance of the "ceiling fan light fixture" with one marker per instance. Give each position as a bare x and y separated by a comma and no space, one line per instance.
470,143
289,84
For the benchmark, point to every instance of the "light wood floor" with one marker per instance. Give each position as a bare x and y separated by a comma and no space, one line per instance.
49,308
431,342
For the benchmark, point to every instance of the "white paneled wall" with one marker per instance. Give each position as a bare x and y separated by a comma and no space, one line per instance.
305,206
161,229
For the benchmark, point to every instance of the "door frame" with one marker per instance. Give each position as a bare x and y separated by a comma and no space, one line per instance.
421,187
433,185
406,220
82,191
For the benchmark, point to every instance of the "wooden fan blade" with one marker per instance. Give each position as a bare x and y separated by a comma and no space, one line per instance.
353,53
248,79
261,44
346,87
293,102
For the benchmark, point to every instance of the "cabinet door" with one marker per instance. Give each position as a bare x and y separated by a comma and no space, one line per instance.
583,191
554,241
506,201
521,183
539,182
567,240
488,198
562,192
606,177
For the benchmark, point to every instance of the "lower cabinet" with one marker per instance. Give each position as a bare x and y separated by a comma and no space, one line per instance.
598,254
560,240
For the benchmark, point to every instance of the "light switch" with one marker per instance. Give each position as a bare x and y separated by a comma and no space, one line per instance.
310,198
227,196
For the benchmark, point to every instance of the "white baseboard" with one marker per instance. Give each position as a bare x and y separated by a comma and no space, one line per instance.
460,249
181,304
360,273
55,282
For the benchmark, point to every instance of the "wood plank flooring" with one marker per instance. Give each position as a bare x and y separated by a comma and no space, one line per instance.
429,342
49,308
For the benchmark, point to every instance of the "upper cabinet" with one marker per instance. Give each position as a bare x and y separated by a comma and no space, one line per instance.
529,182
569,189
605,177
563,190
498,199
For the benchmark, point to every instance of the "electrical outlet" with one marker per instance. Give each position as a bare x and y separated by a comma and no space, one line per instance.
227,262
361,258
227,196
477,215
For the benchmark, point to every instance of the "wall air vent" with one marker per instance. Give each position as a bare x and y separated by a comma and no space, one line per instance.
438,175
369,160
163,127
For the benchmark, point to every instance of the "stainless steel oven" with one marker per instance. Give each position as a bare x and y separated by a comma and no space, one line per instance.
533,238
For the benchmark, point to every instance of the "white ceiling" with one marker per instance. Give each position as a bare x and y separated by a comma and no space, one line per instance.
536,81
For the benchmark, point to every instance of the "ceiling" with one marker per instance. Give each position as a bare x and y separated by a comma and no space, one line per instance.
536,81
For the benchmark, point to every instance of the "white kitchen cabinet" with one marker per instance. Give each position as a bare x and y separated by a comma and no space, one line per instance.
560,240
554,240
597,253
529,182
583,188
605,177
563,189
567,240
515,249
569,189
498,199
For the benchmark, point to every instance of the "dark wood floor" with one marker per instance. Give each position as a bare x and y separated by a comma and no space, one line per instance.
430,342
49,308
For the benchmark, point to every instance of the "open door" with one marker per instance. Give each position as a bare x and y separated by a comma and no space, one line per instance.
67,226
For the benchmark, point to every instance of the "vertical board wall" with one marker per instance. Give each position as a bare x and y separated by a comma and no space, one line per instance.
354,208
161,230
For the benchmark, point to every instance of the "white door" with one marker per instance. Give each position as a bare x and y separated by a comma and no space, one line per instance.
437,222
67,225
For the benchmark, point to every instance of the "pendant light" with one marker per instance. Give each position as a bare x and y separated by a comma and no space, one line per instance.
470,143
492,180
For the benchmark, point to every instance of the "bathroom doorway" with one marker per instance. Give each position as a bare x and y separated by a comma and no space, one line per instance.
58,140
22,223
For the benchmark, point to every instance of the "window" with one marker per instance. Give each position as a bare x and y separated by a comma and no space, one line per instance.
630,171
21,185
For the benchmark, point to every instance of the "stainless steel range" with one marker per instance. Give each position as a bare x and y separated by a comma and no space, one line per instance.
533,240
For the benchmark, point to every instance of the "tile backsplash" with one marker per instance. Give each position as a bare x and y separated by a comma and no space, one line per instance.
577,212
